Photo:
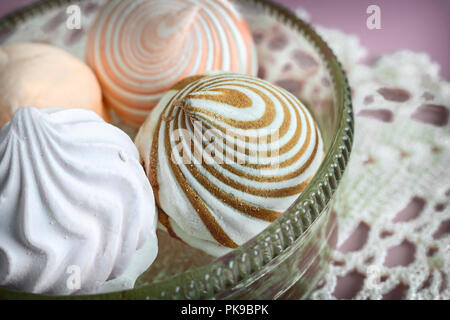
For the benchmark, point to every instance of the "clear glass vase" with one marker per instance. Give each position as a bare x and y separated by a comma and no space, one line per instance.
286,260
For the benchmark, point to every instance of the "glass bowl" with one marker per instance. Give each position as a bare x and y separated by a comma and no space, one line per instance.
288,258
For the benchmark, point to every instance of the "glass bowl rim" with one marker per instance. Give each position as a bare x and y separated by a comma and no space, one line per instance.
304,211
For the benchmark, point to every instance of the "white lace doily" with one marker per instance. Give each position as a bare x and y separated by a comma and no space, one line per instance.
394,202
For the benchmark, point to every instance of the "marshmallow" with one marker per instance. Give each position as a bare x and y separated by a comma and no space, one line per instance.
77,213
41,75
141,48
226,155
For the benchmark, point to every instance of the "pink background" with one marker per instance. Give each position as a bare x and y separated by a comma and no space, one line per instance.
419,25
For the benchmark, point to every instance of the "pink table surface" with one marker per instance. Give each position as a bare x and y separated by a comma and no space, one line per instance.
418,25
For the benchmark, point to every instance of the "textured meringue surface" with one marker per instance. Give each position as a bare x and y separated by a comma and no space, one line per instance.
226,155
140,48
42,75
73,196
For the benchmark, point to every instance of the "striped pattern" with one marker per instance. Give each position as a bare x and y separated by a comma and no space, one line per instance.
252,149
141,48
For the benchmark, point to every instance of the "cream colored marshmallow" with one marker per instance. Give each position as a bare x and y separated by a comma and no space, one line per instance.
42,75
